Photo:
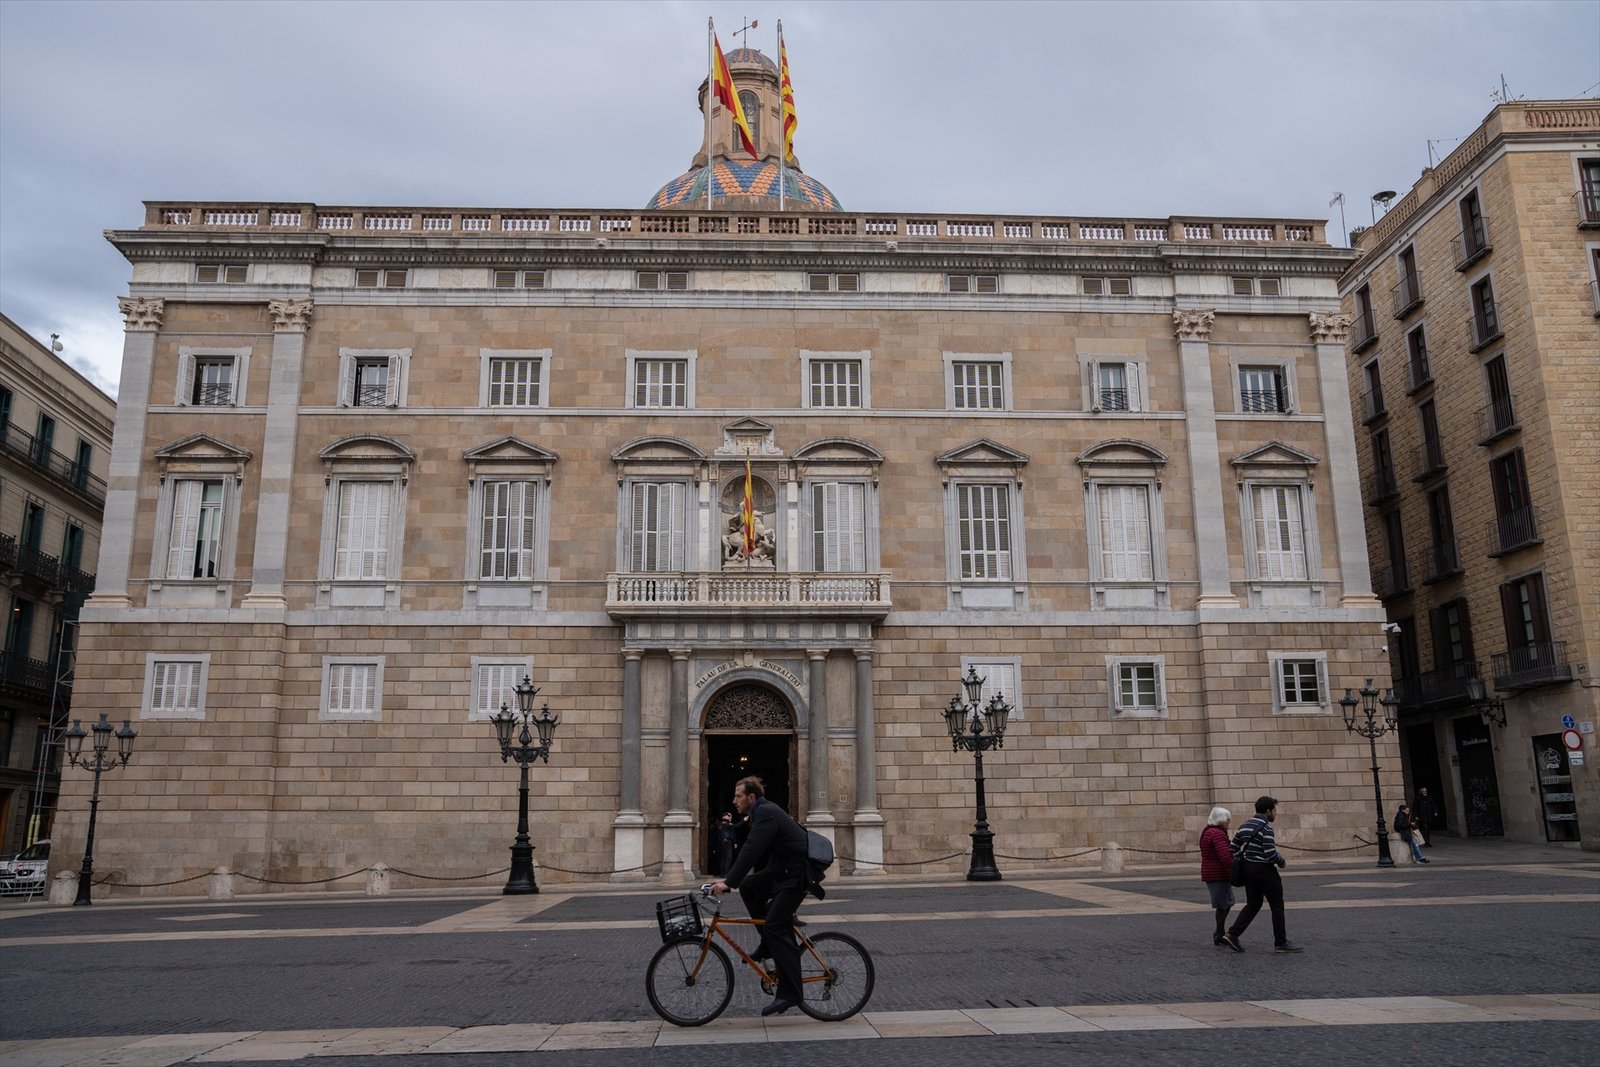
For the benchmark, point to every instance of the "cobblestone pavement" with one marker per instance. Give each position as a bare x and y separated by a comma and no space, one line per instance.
1466,961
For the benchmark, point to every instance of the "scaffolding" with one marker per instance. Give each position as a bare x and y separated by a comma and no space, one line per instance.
42,802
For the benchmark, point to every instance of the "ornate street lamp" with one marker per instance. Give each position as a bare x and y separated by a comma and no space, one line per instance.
518,745
100,762
975,728
1493,711
1372,729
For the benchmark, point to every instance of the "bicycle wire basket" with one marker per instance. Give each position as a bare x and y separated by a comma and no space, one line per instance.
678,916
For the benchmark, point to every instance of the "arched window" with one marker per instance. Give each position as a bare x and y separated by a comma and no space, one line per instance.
752,114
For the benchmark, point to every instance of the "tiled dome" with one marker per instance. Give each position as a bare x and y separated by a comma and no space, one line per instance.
749,55
745,180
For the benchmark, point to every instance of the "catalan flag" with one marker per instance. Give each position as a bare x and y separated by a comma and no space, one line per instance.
787,87
722,87
747,514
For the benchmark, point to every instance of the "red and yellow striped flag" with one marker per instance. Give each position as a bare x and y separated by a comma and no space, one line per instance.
722,87
747,514
787,87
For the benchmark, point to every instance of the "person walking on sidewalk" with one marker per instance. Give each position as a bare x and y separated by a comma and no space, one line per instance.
1407,832
774,893
1216,864
1257,848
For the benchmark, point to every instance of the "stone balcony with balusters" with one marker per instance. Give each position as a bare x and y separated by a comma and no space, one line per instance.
726,593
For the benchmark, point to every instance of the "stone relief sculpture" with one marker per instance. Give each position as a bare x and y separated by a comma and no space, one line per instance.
765,553
1331,328
141,314
290,315
1193,324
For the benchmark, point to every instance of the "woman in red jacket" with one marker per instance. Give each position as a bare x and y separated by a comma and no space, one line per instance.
1216,863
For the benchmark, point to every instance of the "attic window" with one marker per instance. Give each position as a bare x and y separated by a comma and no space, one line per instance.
1108,287
220,273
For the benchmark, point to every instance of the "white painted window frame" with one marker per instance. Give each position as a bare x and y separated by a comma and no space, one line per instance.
1114,667
1310,547
520,668
1136,369
809,360
634,358
985,666
328,713
1281,705
953,358
1284,363
398,382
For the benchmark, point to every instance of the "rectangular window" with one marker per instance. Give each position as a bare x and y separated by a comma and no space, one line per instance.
494,685
72,546
1515,521
999,677
1408,289
1372,404
1279,533
1256,287
836,383
44,441
78,473
657,530
1107,286
1126,553
979,386
352,688
361,546
1452,635
1300,681
1474,239
1432,443
1261,390
1442,559
1138,687
511,279
972,283
1417,353
1502,410
833,283
1589,169
220,273
1526,614
19,627
514,383
195,547
32,526
839,526
1365,328
509,513
1485,320
670,280
177,689
374,385
660,383
372,278
213,382
983,523
1116,387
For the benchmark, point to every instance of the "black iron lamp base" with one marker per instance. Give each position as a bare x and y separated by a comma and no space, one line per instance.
982,868
521,881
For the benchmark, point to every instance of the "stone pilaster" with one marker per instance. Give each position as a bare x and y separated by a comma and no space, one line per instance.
1193,327
628,827
819,816
868,821
290,320
1329,332
677,828
141,323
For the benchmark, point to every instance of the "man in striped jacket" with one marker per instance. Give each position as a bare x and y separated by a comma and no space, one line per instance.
1255,846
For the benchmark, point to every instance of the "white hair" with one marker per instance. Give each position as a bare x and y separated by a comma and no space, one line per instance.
1218,816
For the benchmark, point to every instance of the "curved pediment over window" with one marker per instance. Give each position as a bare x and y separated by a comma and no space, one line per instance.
648,449
1274,459
201,451
367,453
982,458
838,457
1122,458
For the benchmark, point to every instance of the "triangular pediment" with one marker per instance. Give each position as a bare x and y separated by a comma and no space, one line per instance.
509,449
836,449
1276,454
646,449
202,447
982,452
367,446
748,437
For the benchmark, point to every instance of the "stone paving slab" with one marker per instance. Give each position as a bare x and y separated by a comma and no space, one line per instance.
1028,1021
925,1024
167,1048
387,1041
511,1037
273,1045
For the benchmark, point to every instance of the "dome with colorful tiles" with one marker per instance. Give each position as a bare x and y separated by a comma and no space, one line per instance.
750,55
745,181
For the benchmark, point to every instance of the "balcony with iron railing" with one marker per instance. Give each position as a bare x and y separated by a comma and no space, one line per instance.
1372,406
1440,561
1419,373
1363,332
1406,296
1111,399
1498,419
1382,485
25,677
68,473
1428,459
1392,580
1438,689
1513,530
213,394
1483,325
1532,665
734,593
26,563
1263,401
1472,244
1588,201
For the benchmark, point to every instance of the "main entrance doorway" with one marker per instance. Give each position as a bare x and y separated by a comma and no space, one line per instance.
747,730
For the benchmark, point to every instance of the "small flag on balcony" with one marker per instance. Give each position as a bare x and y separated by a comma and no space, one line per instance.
722,88
747,514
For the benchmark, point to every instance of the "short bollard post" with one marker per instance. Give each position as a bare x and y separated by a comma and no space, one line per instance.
63,888
220,886
377,880
1111,858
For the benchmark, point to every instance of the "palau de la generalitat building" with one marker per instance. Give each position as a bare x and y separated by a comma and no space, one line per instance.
373,465
1475,358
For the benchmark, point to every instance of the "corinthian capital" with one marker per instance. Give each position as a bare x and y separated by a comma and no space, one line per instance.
1331,328
1193,324
141,314
290,316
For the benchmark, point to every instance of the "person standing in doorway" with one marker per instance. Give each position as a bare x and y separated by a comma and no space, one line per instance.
1216,864
725,837
772,894
1426,810
1256,847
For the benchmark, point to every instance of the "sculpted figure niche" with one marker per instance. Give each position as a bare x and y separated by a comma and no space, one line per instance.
765,554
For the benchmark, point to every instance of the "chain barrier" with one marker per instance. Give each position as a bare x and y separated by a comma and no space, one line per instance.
110,879
445,878
1351,848
902,863
1156,851
309,881
609,870
1047,859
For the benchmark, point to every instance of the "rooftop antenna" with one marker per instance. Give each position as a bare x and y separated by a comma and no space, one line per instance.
55,343
1338,198
1503,95
745,31
1380,198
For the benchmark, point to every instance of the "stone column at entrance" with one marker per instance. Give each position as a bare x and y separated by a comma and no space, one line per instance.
868,820
818,815
627,828
677,829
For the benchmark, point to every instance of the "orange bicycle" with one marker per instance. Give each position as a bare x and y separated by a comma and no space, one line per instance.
690,978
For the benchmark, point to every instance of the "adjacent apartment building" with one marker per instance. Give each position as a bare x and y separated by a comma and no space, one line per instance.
1475,368
55,444
375,464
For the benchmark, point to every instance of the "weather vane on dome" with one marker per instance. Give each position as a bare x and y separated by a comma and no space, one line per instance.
745,30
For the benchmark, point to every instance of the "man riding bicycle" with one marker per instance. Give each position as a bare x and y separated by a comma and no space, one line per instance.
772,894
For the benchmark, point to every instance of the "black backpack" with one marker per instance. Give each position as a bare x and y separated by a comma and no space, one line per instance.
819,857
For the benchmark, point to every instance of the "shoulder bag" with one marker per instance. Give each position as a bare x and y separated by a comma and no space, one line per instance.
1236,874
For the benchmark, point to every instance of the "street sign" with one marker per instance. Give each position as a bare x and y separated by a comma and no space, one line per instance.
1572,739
1568,722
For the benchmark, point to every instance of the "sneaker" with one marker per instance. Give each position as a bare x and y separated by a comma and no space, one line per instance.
1219,941
1231,939
1287,946
1424,859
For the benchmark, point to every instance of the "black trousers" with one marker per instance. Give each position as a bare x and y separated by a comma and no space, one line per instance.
776,908
1261,882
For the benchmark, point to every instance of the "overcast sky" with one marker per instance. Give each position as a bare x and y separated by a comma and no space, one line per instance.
1130,109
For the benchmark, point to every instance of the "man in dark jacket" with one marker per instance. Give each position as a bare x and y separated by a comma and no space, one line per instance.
773,893
1256,846
1426,810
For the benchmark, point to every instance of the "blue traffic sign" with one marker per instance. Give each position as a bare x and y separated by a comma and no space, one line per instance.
1568,722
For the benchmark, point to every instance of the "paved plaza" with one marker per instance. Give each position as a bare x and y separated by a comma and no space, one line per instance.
1484,956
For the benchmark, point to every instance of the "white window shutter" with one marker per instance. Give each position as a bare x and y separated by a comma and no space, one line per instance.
347,381
391,394
1131,372
1323,695
1161,685
674,532
185,378
185,528
638,530
1094,385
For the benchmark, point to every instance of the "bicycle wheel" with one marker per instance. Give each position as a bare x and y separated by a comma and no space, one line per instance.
836,977
685,988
